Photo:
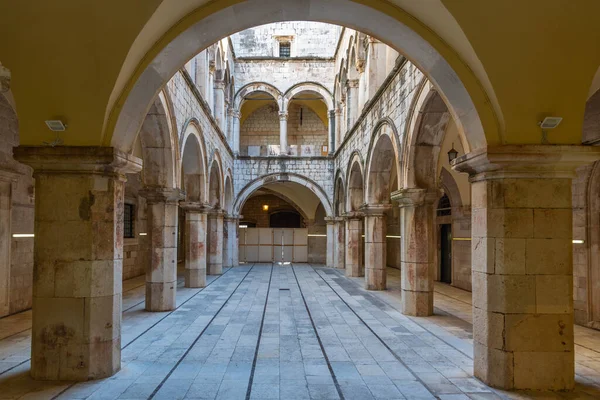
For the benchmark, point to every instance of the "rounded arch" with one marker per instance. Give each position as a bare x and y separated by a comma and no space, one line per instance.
476,111
425,130
215,182
160,145
228,195
257,87
450,187
192,131
339,195
309,87
192,169
383,161
280,178
355,192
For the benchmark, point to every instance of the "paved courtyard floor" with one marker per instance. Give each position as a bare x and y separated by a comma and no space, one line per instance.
265,331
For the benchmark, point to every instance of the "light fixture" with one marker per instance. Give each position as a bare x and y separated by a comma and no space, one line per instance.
143,234
578,241
265,207
23,235
243,226
56,125
547,124
452,154
550,122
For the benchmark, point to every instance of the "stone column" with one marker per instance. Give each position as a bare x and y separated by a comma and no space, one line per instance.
352,102
220,104
523,263
196,221
283,115
418,249
236,131
330,240
78,251
230,235
161,278
340,243
353,256
375,247
215,242
339,135
332,131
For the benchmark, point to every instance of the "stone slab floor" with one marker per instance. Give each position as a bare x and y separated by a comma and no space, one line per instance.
265,331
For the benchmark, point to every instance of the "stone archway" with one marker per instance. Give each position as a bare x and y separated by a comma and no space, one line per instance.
197,32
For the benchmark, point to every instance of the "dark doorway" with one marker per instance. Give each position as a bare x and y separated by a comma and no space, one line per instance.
446,253
285,219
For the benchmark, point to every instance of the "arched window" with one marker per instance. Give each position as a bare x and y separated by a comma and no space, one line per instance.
444,206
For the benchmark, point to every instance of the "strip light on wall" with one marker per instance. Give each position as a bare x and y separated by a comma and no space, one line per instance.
23,235
316,235
393,237
143,234
461,239
243,226
578,241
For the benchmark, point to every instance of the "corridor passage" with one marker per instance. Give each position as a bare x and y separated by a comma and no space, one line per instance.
263,331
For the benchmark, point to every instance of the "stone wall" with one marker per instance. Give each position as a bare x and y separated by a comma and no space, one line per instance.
136,251
308,39
187,104
284,74
317,169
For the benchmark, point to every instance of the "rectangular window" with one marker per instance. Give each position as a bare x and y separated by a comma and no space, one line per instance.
129,221
284,49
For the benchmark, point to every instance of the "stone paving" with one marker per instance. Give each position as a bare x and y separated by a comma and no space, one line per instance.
266,331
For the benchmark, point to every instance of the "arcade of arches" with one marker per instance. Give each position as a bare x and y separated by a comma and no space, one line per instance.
241,201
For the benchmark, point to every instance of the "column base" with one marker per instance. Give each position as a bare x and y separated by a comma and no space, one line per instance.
375,279
354,271
195,278
160,296
64,347
215,269
417,304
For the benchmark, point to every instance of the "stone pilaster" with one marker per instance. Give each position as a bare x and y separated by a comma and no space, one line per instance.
354,256
230,239
330,241
78,251
332,117
283,148
375,246
417,216
161,278
339,254
196,224
522,263
215,242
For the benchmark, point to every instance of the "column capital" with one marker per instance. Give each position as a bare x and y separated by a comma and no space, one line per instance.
232,218
71,159
414,197
234,113
190,206
155,195
353,215
352,83
525,161
219,84
216,212
283,115
332,113
375,210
